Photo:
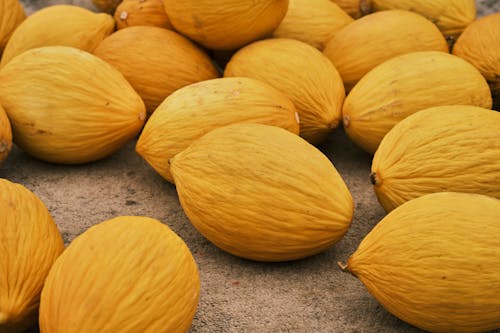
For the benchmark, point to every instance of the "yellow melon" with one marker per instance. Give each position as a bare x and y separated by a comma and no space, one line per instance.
107,6
5,135
141,12
68,106
30,243
479,45
312,21
451,16
445,148
355,8
156,61
128,274
404,85
11,15
369,41
195,110
226,24
64,25
262,193
305,75
434,262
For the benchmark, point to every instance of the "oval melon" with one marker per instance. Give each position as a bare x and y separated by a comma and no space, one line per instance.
434,262
262,193
141,12
479,45
195,110
404,85
451,16
369,41
68,106
312,21
355,8
155,61
128,274
225,24
11,15
305,75
59,25
30,243
445,148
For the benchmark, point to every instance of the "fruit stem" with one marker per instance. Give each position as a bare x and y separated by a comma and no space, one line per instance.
343,267
375,179
365,7
346,120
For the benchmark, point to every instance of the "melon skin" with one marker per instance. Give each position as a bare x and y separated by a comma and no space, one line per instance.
128,274
434,262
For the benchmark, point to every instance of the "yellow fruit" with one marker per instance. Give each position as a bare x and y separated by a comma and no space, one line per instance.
305,75
479,44
355,8
312,21
5,135
226,24
30,243
445,148
262,193
404,85
434,262
129,274
68,106
11,15
141,12
156,61
359,47
451,16
195,110
64,25
107,6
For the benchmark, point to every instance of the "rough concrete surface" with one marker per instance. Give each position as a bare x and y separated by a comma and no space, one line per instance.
310,295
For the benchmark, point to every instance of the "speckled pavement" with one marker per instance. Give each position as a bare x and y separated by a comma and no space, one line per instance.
310,295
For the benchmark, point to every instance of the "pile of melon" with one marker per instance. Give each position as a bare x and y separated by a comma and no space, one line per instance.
228,101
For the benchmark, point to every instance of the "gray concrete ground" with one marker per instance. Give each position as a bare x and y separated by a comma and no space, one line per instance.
310,295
